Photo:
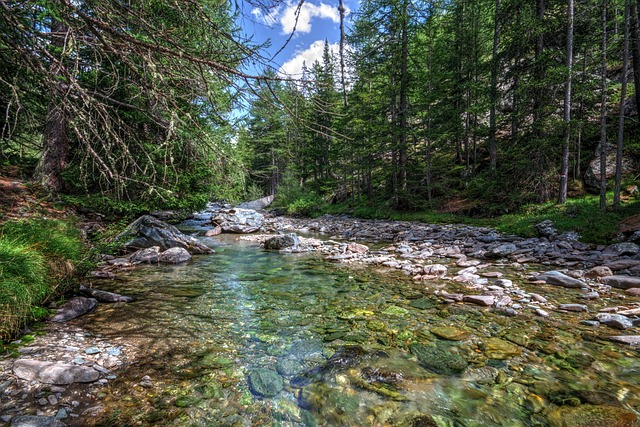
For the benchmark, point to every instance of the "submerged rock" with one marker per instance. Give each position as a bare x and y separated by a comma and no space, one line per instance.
265,382
496,348
104,296
53,373
438,359
592,416
75,307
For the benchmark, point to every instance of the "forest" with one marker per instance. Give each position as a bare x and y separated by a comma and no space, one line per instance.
478,107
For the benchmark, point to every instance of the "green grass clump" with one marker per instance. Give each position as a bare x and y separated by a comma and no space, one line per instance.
37,260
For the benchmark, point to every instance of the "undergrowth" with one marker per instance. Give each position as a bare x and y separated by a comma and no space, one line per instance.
38,260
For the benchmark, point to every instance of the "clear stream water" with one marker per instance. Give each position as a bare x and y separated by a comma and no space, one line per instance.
246,337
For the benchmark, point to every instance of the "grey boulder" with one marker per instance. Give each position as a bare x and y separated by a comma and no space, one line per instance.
560,279
257,204
237,220
147,231
282,241
174,256
622,282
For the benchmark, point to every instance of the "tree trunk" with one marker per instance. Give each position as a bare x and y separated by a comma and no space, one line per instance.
635,50
539,69
623,96
603,113
55,135
494,91
342,10
564,171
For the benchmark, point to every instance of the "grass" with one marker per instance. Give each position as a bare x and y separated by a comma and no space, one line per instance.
38,259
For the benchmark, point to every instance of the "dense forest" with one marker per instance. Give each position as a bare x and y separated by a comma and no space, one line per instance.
486,105
476,106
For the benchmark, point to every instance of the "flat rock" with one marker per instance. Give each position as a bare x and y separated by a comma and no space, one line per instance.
75,307
573,307
483,300
438,359
592,416
104,296
626,339
622,282
174,256
53,373
617,321
215,231
36,421
437,270
619,249
496,348
357,248
560,279
257,204
633,291
622,264
450,333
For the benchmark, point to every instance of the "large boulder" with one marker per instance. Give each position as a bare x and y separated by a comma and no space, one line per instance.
592,174
53,373
282,241
258,204
147,231
236,220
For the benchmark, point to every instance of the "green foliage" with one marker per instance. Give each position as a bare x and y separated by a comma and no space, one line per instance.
582,215
296,200
37,258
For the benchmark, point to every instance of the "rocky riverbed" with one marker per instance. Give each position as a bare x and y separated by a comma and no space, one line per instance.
554,278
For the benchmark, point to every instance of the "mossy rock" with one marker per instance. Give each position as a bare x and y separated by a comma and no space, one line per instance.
439,359
265,382
592,416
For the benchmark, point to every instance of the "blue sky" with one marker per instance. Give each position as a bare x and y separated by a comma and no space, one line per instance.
317,20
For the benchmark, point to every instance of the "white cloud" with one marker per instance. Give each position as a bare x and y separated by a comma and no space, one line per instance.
304,16
268,19
293,67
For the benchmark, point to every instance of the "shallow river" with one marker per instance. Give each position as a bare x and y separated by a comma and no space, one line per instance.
248,337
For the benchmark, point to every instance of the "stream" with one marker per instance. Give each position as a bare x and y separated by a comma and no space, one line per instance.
249,337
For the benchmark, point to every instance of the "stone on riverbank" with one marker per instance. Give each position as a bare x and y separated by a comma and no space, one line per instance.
282,241
53,373
174,256
560,279
622,282
75,307
146,255
240,221
147,231
616,321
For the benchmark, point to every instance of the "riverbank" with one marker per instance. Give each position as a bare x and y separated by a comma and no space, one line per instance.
453,269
